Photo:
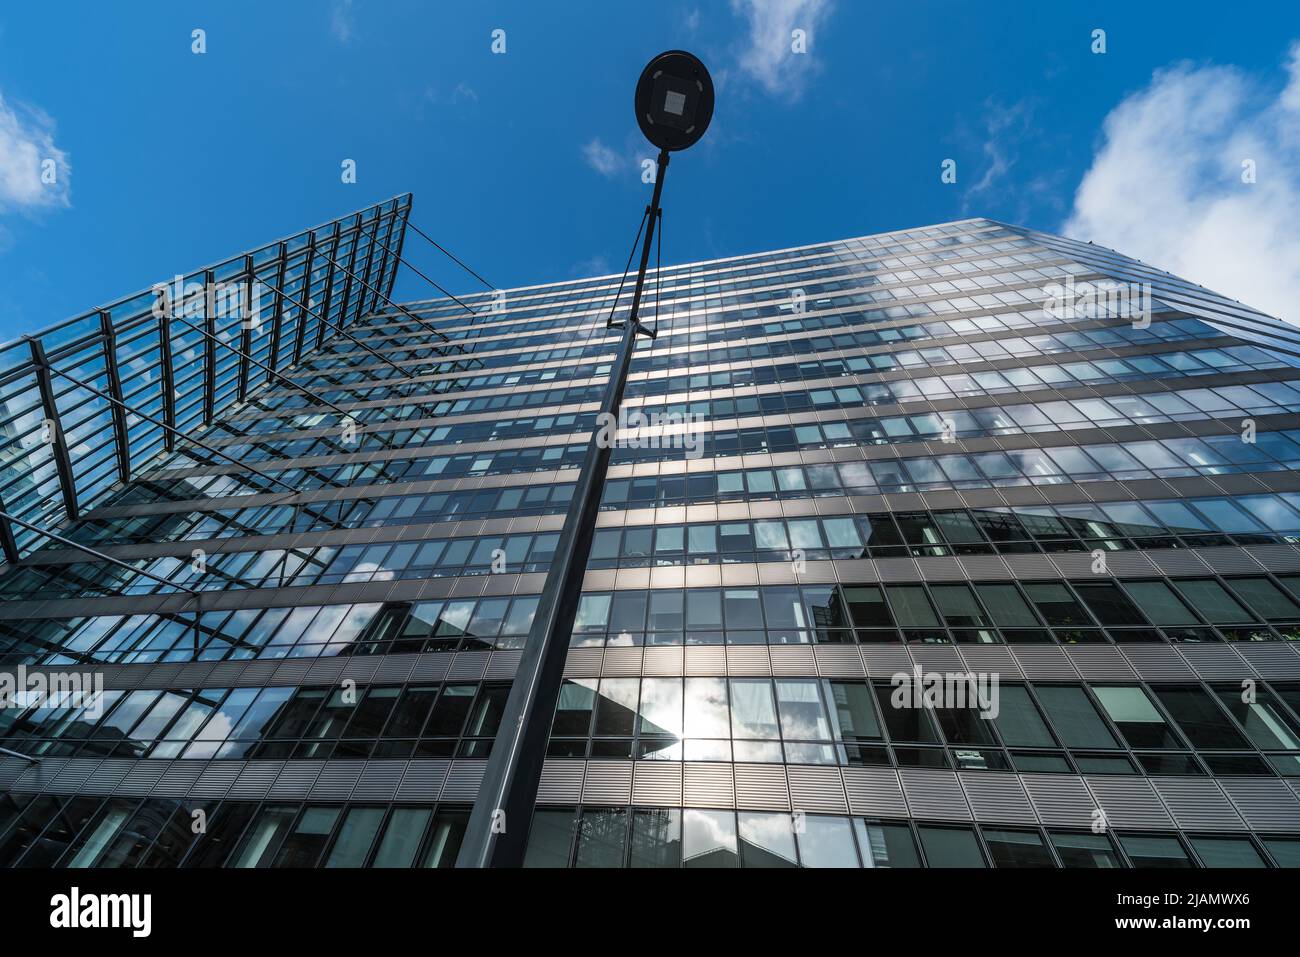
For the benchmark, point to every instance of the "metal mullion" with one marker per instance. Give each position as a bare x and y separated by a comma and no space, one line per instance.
277,323
383,259
328,287
300,333
401,243
371,246
209,353
245,334
62,461
342,321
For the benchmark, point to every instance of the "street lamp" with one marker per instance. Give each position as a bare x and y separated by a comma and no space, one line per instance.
674,104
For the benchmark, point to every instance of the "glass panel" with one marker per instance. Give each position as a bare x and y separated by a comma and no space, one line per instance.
355,837
802,714
1075,718
1203,721
401,838
550,839
602,836
709,839
753,713
1017,849
1018,720
1085,850
1227,852
886,845
656,837
826,842
950,847
1161,852
1136,717
766,840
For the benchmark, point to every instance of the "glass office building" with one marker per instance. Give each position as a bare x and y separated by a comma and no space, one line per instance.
1056,486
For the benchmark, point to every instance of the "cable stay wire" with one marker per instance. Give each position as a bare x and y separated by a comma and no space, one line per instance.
420,232
411,266
609,323
659,268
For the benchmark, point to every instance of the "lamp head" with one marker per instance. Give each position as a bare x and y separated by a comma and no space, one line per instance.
674,100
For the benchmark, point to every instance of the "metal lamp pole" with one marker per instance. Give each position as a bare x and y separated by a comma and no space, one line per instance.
497,831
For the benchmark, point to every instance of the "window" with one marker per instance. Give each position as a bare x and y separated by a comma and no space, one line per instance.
1075,718
573,711
1008,608
753,713
826,842
616,706
800,706
401,838
1084,850
1109,604
550,838
1136,717
1161,604
958,607
1266,598
661,707
1018,720
742,610
355,837
911,606
709,838
706,708
852,712
885,845
1157,852
602,836
1200,718
904,722
1264,719
1227,852
766,840
1010,848
1057,605
303,846
444,839
867,607
1212,600
656,837
950,847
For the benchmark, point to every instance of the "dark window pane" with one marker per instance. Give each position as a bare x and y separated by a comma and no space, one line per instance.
656,837
950,847
1017,849
1161,852
551,838
1085,850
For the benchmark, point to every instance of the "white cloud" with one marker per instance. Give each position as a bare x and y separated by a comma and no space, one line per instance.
1004,127
342,22
1166,184
464,92
26,151
601,158
768,57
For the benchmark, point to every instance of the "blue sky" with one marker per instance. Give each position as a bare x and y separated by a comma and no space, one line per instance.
526,163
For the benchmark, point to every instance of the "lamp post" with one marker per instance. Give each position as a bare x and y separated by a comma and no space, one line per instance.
674,104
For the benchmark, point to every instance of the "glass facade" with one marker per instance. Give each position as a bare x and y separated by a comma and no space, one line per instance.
898,564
